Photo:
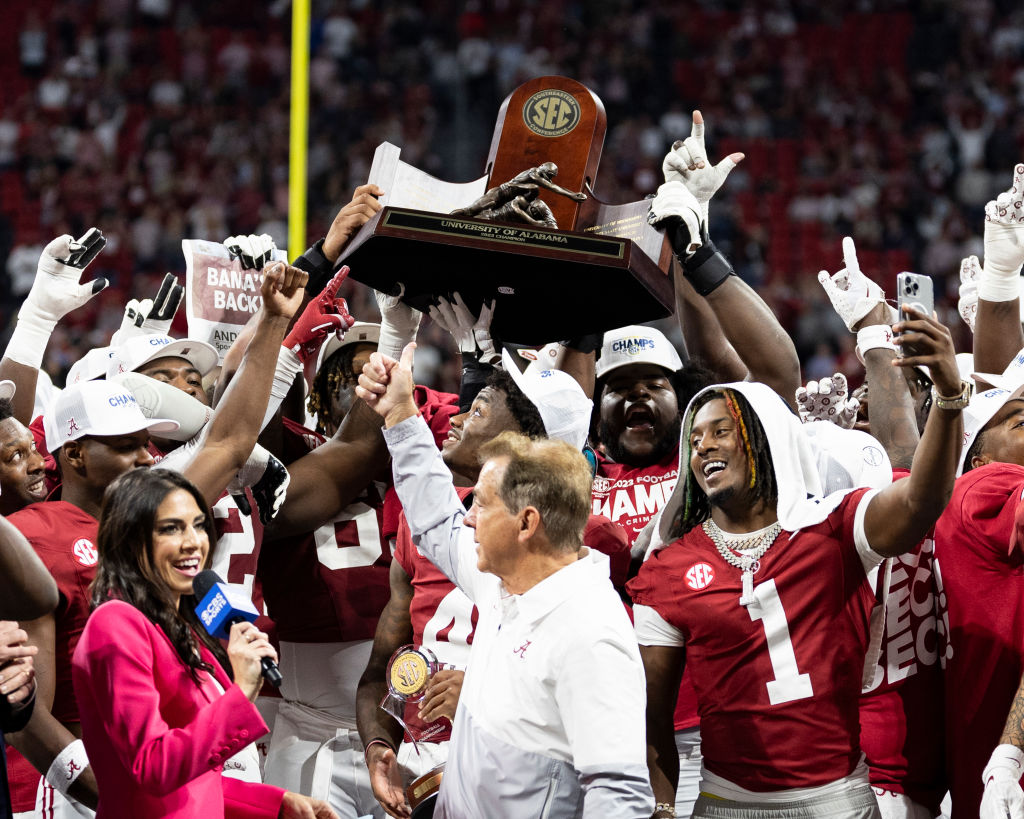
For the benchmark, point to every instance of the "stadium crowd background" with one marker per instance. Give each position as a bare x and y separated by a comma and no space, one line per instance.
158,120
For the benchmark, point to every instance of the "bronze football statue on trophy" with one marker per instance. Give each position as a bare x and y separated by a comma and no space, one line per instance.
518,199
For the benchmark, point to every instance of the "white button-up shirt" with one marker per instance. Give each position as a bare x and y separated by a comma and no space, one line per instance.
550,721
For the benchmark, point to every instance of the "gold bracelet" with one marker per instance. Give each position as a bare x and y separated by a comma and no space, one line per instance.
666,808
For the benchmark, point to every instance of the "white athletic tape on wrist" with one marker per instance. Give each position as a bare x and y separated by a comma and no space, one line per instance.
67,767
1007,758
29,339
874,337
997,288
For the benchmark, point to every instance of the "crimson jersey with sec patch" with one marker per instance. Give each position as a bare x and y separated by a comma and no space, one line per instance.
984,589
329,585
901,725
778,680
64,537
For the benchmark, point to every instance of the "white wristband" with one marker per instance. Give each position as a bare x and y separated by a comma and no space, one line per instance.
874,337
29,339
1005,757
67,767
998,288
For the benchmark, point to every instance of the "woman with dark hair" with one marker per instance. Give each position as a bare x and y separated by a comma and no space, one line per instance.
163,704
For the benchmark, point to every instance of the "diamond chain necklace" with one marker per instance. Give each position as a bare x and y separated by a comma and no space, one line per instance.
751,550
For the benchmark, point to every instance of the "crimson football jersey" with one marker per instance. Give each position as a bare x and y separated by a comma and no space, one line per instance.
778,680
631,495
329,585
443,618
901,725
64,537
984,589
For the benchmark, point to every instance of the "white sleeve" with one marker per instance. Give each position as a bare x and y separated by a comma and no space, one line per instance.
432,507
653,630
869,558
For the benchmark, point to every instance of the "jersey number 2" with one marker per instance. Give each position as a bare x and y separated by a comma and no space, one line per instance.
789,684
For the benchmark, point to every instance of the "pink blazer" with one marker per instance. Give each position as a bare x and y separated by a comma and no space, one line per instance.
156,740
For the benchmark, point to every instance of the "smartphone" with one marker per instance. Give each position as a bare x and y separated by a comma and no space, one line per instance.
915,290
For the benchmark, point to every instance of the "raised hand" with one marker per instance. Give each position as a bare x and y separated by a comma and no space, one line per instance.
688,163
853,295
386,385
828,400
282,289
326,314
675,201
365,203
933,348
1004,231
254,252
56,291
967,306
399,322
151,316
472,334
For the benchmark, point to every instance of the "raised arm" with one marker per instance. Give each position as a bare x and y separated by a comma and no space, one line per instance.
747,323
900,515
860,302
56,291
891,411
997,333
703,334
27,589
424,484
231,432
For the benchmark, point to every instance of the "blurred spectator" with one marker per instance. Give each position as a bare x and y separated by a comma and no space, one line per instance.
892,121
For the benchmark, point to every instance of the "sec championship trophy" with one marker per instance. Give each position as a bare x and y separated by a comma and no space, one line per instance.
557,261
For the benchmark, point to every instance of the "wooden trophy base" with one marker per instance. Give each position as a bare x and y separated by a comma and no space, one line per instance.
422,793
548,285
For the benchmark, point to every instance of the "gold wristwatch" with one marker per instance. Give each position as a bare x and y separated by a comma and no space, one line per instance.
954,402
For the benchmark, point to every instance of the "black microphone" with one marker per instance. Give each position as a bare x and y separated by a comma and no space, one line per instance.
220,607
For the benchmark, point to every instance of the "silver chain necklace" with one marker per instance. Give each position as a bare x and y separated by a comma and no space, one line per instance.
751,550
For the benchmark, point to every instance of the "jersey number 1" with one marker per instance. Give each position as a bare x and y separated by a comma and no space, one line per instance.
789,684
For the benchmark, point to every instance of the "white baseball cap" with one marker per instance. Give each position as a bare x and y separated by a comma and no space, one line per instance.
90,366
848,458
636,344
362,332
141,350
984,406
563,406
97,408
